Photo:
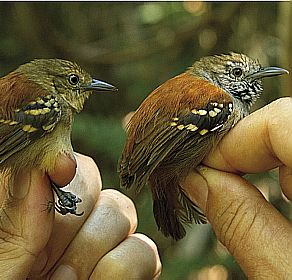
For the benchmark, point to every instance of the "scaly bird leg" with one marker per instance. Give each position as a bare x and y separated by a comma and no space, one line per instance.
66,201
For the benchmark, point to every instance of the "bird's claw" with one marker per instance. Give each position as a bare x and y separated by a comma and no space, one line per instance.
64,210
66,202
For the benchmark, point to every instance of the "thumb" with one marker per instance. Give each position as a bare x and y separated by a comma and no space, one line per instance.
25,224
254,232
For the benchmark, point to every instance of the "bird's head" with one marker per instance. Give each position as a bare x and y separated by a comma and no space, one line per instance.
63,78
237,74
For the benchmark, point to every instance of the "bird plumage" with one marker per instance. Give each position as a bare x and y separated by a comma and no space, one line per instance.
32,105
37,103
177,125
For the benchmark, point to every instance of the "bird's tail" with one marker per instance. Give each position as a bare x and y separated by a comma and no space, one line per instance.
172,208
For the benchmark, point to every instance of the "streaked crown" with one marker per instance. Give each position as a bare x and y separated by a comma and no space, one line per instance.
237,74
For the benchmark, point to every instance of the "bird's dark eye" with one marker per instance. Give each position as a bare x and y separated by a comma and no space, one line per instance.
73,79
237,72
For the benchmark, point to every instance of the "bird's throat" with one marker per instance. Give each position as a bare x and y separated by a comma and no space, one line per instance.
76,104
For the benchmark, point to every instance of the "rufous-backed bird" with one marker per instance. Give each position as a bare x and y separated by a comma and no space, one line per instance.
37,104
179,123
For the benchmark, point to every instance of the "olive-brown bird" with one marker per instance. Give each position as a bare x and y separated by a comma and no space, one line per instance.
37,103
179,123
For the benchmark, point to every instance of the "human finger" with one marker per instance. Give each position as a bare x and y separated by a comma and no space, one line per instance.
25,227
111,221
124,261
254,232
86,185
258,143
285,177
64,170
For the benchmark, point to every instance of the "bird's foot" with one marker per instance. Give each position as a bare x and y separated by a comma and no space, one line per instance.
66,201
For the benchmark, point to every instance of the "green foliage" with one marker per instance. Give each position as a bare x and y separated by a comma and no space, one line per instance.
101,138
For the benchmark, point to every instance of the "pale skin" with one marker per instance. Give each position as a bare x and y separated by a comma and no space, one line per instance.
256,234
101,244
253,231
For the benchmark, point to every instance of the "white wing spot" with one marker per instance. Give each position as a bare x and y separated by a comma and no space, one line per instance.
212,114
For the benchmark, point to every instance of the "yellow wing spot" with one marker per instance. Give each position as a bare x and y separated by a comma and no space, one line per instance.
212,114
173,124
220,105
32,112
28,128
214,104
194,111
10,122
17,110
204,131
48,104
175,119
56,104
217,110
57,109
40,101
191,127
180,127
32,103
48,127
45,111
52,101
202,112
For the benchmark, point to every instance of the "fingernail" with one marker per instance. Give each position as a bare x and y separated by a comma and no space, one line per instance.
196,188
64,272
73,157
20,185
70,156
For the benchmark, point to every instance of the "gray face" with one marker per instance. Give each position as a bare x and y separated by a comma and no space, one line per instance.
236,79
232,73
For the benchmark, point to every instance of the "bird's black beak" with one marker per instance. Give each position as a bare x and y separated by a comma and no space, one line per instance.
97,85
268,72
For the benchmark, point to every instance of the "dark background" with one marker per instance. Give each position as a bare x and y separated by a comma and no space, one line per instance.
137,46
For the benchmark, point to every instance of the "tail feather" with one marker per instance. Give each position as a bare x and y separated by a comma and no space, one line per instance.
172,208
167,220
192,210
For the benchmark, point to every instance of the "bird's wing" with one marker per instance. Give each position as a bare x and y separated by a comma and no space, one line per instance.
27,124
187,129
174,118
169,141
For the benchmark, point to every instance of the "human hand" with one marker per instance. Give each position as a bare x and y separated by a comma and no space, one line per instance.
254,232
101,244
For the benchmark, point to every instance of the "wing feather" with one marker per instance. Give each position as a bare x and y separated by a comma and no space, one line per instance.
27,124
172,141
165,142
